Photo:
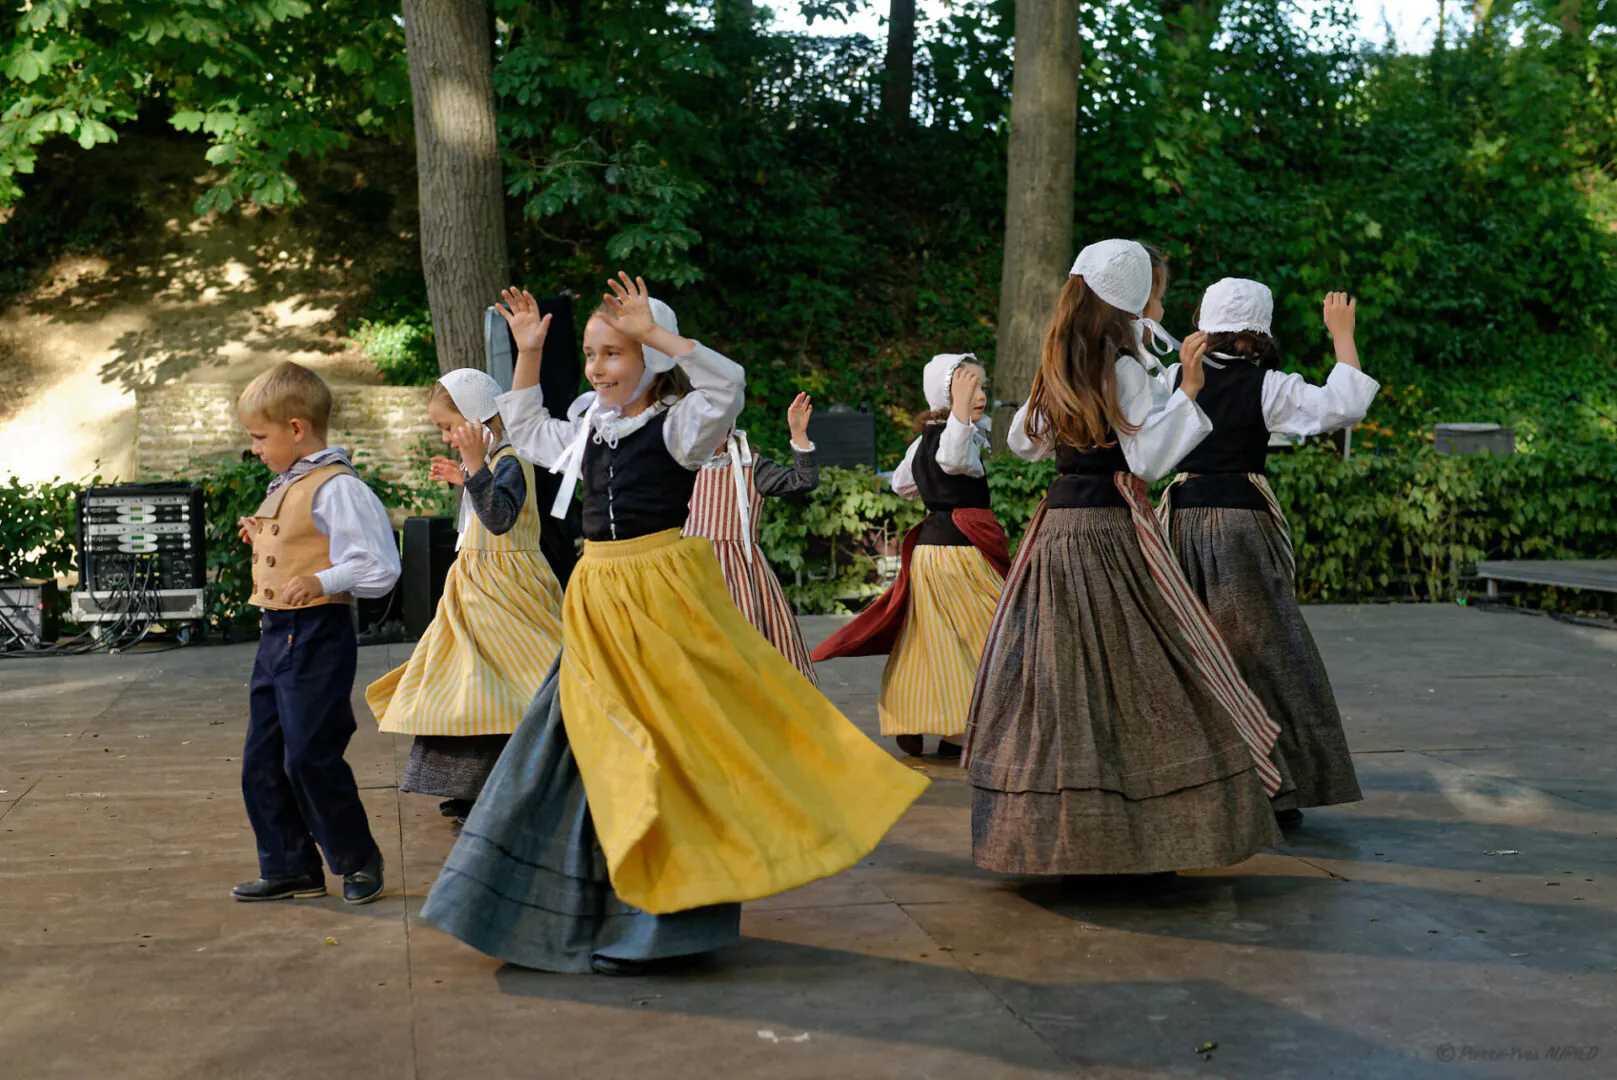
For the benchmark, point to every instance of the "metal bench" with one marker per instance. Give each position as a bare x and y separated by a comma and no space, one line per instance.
1599,575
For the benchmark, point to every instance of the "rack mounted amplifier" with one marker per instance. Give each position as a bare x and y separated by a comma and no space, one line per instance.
156,530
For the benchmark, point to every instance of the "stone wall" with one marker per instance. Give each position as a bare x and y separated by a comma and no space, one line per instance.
380,425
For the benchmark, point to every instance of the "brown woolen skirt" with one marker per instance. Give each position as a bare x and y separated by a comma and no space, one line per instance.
1097,747
1236,561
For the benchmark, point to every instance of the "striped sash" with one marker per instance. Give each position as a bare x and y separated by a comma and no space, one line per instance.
1212,657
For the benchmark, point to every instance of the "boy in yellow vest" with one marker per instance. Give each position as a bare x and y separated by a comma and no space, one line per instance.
320,539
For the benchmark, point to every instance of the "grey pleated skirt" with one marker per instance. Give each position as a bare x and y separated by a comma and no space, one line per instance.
451,766
1236,561
527,882
1097,748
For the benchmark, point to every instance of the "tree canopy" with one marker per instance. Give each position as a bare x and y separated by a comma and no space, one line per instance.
1465,195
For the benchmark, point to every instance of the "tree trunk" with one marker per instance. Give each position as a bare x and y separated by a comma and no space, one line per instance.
898,87
458,170
1039,187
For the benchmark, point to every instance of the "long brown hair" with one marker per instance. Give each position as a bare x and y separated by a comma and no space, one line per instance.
1074,397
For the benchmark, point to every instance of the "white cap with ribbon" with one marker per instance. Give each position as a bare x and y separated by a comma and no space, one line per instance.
937,378
588,408
1117,271
1235,305
473,392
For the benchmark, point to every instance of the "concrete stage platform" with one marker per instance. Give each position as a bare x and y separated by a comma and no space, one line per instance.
1460,923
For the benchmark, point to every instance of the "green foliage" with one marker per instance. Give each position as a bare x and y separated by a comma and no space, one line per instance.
1371,528
38,528
402,349
825,547
265,81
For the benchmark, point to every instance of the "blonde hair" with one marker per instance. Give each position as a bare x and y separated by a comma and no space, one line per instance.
438,392
1074,398
287,391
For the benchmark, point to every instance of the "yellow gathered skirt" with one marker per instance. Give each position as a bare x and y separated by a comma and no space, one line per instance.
485,654
715,771
926,686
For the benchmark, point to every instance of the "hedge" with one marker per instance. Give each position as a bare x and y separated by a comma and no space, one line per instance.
1404,526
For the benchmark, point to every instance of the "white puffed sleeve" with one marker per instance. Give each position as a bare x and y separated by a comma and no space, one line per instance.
698,422
1165,430
534,433
1023,445
904,476
364,557
1294,406
960,450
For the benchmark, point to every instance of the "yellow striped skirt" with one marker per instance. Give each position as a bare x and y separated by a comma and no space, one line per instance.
485,654
926,688
715,771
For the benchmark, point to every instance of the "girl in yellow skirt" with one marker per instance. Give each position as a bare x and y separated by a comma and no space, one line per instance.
933,621
674,763
497,629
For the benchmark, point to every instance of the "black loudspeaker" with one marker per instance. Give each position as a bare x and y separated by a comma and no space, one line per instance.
27,613
429,548
844,437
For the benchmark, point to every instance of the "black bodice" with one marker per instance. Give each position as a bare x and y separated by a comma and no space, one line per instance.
943,492
1232,398
636,487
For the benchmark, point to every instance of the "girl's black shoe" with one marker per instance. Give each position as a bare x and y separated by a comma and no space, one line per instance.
611,965
1288,819
947,749
303,887
455,808
910,744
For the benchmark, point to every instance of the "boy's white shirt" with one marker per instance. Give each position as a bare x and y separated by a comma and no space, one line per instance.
364,557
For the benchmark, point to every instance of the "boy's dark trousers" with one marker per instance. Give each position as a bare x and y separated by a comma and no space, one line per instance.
299,790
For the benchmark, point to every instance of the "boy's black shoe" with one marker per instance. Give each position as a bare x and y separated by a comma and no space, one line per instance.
1288,819
611,965
910,744
364,884
455,808
304,887
947,749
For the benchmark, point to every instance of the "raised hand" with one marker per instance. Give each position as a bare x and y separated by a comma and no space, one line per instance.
468,439
963,387
1191,376
628,307
1341,313
448,472
797,418
521,314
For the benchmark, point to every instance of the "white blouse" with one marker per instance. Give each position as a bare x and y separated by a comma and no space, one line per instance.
960,453
1169,425
1294,406
696,426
